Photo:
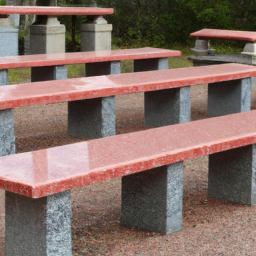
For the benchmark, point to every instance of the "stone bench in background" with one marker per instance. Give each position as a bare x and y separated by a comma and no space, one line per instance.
203,55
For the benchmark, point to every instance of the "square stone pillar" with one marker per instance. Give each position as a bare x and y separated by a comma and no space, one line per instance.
95,34
95,118
39,227
152,199
47,35
232,175
9,45
164,107
8,38
229,97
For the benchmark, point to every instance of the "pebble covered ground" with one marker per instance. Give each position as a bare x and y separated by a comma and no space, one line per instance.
210,227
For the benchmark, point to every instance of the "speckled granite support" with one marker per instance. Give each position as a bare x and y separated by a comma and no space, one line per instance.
103,68
166,107
8,41
151,64
3,77
95,34
152,200
229,97
39,227
232,175
94,118
7,135
48,73
47,35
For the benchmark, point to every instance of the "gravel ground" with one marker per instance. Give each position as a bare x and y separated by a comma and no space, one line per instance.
210,227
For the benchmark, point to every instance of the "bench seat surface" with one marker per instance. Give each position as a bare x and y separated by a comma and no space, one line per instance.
39,60
47,92
45,10
41,173
209,34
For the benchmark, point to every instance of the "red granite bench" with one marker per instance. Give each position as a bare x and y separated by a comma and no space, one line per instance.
202,45
101,62
150,162
167,98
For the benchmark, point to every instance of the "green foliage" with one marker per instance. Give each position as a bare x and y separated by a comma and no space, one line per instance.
163,22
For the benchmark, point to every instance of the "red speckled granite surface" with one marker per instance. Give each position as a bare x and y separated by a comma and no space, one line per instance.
209,34
13,96
39,60
41,173
40,10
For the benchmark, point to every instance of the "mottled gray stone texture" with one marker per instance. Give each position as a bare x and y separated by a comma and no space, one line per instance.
3,77
229,97
7,135
48,73
93,118
166,107
163,107
103,68
38,227
152,200
8,42
232,175
150,64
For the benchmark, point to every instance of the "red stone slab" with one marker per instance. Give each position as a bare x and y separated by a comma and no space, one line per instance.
54,11
45,172
13,96
209,34
39,60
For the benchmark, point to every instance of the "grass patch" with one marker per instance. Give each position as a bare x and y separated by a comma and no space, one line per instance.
19,75
77,70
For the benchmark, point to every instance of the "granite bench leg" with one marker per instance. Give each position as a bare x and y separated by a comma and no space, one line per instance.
164,107
229,97
39,227
152,200
150,64
232,175
7,135
3,77
48,73
94,118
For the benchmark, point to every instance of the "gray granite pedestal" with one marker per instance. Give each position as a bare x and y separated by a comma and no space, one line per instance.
94,118
232,175
229,97
152,200
38,227
48,73
3,77
164,107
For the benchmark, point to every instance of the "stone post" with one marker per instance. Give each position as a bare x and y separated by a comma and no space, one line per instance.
229,97
94,118
152,200
47,35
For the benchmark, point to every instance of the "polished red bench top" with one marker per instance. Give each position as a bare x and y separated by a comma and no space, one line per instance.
45,172
20,95
50,10
209,34
39,60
